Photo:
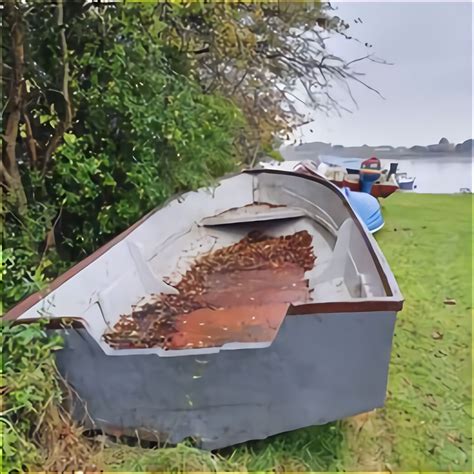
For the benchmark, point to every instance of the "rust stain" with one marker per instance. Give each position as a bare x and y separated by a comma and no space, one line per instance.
240,293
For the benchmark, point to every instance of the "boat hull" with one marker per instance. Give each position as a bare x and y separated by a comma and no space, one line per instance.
320,368
406,185
379,190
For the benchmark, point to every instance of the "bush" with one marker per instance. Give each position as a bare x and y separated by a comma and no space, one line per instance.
29,388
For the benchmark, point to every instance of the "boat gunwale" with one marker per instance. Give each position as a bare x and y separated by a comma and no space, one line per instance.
392,302
378,304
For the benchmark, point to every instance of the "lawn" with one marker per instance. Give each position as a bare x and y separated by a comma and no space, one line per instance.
426,422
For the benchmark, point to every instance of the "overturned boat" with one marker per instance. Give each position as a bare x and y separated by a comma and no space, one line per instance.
255,307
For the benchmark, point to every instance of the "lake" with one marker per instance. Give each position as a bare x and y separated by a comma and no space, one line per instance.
437,175
434,175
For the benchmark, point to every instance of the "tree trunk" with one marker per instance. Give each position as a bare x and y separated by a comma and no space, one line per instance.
9,170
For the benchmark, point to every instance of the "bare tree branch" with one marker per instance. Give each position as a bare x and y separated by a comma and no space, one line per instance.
30,140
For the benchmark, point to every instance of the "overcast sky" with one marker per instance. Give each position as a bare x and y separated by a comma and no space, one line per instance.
427,90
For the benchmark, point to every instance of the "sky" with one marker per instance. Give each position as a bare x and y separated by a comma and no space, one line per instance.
427,88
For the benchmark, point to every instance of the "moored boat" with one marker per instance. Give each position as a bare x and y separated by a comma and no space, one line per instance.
370,172
351,165
385,185
365,206
382,188
405,182
234,313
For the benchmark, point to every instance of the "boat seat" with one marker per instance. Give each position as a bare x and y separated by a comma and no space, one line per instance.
338,276
252,213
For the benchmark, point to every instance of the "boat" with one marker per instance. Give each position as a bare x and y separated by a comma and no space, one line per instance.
253,307
344,175
365,206
351,165
405,182
383,187
370,172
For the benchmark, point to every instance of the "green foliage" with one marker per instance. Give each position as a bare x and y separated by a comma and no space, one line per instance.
112,109
29,387
147,133
259,54
25,265
142,132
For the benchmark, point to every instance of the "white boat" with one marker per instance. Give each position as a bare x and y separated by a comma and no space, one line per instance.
405,182
231,313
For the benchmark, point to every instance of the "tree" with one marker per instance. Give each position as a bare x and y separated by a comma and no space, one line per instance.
259,54
110,108
101,126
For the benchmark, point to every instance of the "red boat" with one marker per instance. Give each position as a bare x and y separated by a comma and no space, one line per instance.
380,189
383,187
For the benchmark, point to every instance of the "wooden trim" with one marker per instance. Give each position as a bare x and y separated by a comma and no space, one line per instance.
55,323
345,307
294,310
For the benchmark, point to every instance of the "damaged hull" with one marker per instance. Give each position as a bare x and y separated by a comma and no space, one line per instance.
228,314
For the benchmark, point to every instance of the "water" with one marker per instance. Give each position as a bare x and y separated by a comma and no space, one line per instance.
436,174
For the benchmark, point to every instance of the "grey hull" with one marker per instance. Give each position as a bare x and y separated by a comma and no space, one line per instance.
320,368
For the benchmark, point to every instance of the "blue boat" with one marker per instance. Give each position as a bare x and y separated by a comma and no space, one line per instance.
367,208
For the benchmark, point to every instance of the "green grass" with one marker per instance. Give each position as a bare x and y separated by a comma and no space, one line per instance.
426,422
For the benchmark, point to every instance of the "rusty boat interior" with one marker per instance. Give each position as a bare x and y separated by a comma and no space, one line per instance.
220,269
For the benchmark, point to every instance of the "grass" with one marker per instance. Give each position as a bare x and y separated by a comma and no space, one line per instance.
426,422
318,448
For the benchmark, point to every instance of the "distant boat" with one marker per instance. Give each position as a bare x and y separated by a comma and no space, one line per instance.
385,185
365,206
346,173
370,172
405,182
352,165
382,188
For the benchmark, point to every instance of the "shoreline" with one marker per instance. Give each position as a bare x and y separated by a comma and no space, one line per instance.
366,151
